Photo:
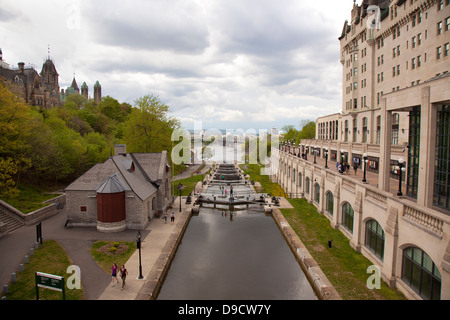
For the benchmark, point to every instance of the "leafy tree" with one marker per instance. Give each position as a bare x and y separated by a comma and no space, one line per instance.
16,124
148,127
111,108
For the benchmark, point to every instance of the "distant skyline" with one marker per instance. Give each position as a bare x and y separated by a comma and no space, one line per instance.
230,64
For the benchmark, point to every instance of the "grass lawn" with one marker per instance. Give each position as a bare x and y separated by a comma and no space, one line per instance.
49,258
31,198
254,170
188,183
345,268
105,256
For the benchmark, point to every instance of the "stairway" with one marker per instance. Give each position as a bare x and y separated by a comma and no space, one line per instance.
10,221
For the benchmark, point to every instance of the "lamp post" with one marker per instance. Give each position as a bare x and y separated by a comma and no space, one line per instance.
365,166
401,167
180,187
325,153
299,150
315,153
342,155
138,245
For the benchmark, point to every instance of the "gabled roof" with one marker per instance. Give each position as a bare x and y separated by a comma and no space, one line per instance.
140,173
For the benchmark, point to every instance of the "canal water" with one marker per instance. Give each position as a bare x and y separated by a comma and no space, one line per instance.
234,255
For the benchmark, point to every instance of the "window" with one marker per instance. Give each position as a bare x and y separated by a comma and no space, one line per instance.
364,129
83,208
419,61
439,28
447,24
419,39
438,53
441,193
421,274
347,216
378,129
413,152
413,63
307,183
329,203
446,50
375,238
300,179
395,126
346,130
355,129
317,193
413,42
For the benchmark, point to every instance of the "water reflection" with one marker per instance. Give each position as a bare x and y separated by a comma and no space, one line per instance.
240,255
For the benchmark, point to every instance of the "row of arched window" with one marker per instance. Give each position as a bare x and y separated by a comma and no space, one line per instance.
418,269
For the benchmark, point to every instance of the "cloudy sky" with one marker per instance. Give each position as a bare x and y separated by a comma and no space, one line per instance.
228,63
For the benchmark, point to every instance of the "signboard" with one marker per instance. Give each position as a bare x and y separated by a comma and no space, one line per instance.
49,281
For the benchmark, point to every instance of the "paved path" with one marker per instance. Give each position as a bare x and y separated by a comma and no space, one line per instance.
77,242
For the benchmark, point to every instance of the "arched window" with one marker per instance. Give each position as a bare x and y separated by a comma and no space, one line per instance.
329,203
375,238
316,193
307,182
300,179
347,216
421,274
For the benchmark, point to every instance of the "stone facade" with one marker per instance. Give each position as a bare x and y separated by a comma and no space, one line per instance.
145,178
395,113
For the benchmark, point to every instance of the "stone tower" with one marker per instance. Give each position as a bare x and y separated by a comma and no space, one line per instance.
85,90
75,85
97,92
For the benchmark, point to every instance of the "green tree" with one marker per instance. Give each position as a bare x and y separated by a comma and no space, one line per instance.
16,125
148,127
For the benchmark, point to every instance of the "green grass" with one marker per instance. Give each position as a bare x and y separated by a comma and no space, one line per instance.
344,267
254,170
49,258
188,183
31,198
106,258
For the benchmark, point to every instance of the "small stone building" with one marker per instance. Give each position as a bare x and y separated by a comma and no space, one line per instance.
126,191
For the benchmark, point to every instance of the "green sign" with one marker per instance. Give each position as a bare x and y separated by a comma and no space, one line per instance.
49,281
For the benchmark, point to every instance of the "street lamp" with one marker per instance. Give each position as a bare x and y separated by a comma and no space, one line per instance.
342,155
365,166
138,245
401,167
325,153
315,153
180,187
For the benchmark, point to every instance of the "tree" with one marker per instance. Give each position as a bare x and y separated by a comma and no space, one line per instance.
16,125
148,127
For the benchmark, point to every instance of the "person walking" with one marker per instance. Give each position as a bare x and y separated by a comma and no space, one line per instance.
165,217
172,217
123,275
114,274
355,167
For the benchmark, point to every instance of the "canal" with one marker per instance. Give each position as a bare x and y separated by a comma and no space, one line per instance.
235,254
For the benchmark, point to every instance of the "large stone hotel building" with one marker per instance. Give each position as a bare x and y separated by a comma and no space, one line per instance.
394,125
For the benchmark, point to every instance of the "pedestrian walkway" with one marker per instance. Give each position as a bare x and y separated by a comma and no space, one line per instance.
371,177
153,246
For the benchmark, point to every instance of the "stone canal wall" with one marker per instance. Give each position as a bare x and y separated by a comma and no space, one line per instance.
155,279
319,282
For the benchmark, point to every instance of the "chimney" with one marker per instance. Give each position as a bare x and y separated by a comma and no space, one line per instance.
21,67
120,149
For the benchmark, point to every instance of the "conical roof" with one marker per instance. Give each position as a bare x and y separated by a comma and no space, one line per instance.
114,184
74,84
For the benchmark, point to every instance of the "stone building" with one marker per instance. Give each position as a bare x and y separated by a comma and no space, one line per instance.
395,122
126,191
84,91
38,89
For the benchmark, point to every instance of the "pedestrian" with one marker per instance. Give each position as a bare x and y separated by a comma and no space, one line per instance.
231,191
165,217
172,218
347,167
340,168
123,275
225,193
114,273
355,167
